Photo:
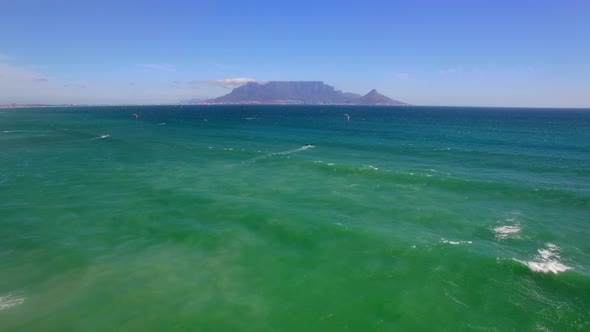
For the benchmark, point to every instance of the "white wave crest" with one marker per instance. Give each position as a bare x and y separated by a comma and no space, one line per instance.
547,261
82,140
10,300
442,240
303,148
507,232
89,139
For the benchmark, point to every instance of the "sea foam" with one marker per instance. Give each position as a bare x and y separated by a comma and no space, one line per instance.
445,241
303,148
547,260
507,231
10,300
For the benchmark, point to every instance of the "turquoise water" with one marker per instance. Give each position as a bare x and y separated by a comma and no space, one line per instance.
283,218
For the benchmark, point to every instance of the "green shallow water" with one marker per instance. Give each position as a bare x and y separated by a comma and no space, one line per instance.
262,218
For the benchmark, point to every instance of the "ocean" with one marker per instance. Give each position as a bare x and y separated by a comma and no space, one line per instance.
294,218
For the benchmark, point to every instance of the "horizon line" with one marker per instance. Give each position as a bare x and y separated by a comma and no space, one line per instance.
39,105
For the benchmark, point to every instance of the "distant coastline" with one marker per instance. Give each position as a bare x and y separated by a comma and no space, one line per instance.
299,93
32,105
205,104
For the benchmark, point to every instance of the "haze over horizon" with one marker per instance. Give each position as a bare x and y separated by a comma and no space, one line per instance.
456,53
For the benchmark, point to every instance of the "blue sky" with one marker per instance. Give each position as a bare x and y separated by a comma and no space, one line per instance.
447,52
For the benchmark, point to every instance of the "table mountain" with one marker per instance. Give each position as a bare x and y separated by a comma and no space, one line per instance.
297,92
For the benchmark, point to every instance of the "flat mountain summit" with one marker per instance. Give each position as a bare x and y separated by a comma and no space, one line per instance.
299,92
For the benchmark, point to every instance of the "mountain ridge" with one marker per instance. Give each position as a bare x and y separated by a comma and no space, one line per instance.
299,92
375,98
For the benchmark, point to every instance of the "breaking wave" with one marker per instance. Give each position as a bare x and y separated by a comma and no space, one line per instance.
303,148
445,241
507,232
10,300
547,260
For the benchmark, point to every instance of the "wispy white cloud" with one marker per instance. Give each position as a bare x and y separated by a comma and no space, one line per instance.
76,85
451,70
230,83
158,66
24,84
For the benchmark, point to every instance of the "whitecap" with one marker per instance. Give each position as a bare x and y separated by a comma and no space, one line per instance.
15,131
507,232
303,148
445,241
547,260
81,140
10,300
91,139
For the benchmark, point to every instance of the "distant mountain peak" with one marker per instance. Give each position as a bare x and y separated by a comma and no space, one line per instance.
375,98
298,92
